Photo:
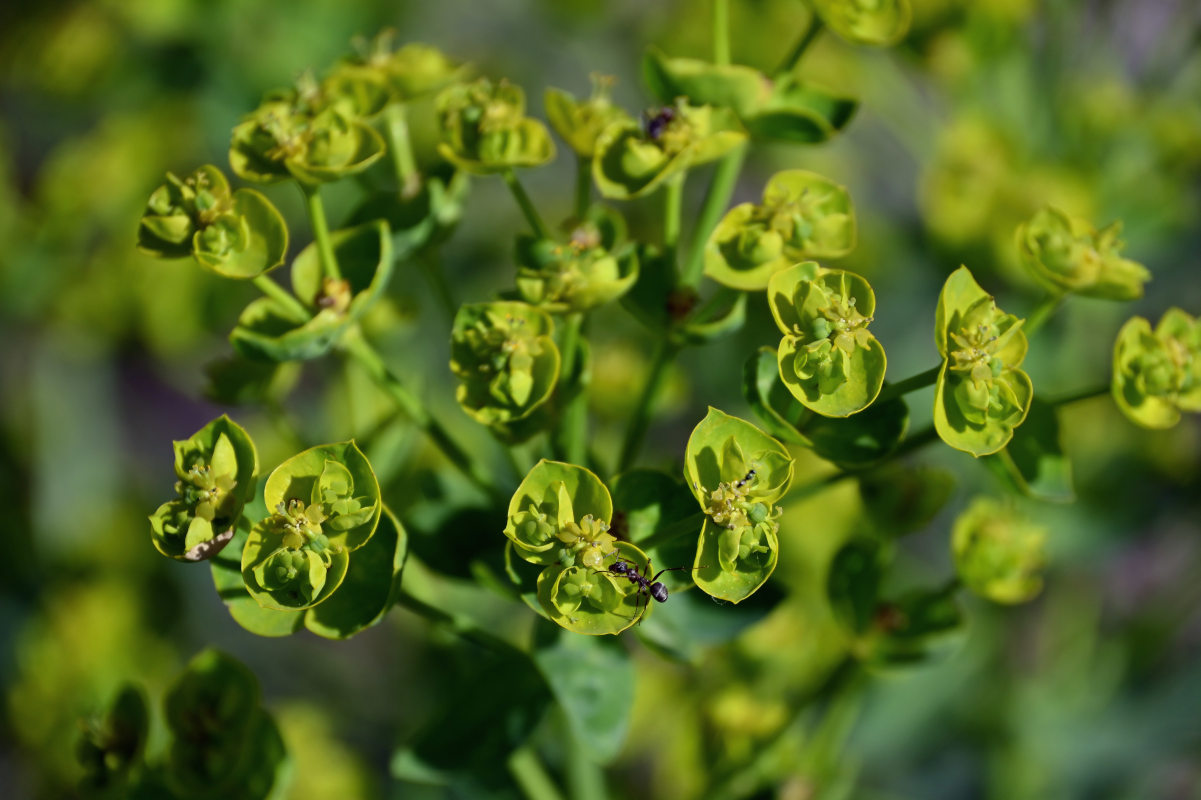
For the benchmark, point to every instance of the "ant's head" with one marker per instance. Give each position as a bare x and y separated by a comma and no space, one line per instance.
654,124
621,567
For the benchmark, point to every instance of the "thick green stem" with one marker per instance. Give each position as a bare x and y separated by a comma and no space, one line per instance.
918,381
400,147
807,38
665,353
1041,313
673,196
325,247
527,207
531,776
285,299
358,348
717,197
721,31
571,441
583,186
1086,394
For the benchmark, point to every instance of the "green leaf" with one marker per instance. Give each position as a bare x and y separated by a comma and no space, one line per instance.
862,440
581,122
237,381
917,627
801,113
742,89
419,221
231,588
593,682
723,322
771,401
901,500
1034,460
650,505
371,585
110,748
853,584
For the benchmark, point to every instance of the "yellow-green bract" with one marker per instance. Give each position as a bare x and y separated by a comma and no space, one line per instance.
828,359
484,129
998,552
581,122
1157,374
981,394
215,467
737,473
1067,254
559,517
591,269
870,22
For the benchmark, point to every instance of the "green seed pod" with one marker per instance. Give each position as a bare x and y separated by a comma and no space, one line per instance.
1067,254
1157,374
802,216
484,129
267,332
559,517
872,22
110,746
982,395
216,467
236,235
325,503
577,276
581,122
505,358
737,473
998,552
303,134
632,160
828,359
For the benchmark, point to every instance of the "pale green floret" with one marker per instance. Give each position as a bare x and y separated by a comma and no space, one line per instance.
975,361
484,128
748,523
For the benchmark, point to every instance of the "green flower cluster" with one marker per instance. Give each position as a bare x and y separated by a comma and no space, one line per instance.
1157,373
589,270
828,358
998,552
234,234
484,129
581,122
560,518
871,22
802,216
982,395
1067,255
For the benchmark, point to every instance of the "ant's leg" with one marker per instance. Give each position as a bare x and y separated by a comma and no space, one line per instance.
670,569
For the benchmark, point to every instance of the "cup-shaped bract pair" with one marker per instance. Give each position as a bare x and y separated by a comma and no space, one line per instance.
483,128
982,394
215,468
1157,373
325,504
505,358
586,271
559,517
234,234
1066,254
223,743
998,552
581,122
871,22
738,474
304,133
802,216
633,159
268,331
828,358
110,746
377,73
781,109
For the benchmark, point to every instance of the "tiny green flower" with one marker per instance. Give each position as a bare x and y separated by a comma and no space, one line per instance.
998,552
484,129
1068,255
802,216
577,276
505,358
410,71
982,395
581,122
871,22
738,474
215,468
1157,374
828,359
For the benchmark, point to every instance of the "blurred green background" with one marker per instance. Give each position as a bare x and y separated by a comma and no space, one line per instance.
988,110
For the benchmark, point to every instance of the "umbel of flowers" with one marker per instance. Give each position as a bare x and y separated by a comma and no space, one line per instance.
1066,254
1157,373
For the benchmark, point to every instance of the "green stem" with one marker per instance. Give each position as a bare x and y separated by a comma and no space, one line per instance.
285,299
1085,394
527,207
573,426
432,270
585,780
900,388
583,186
325,248
354,345
531,776
1041,313
808,36
717,197
721,32
401,148
673,196
665,353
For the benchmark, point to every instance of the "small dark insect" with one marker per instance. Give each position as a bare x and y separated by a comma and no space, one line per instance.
648,587
750,476
655,124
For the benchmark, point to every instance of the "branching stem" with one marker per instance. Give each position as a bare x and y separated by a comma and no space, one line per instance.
285,299
527,206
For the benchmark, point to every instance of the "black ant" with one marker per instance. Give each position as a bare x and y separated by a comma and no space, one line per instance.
655,124
647,586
